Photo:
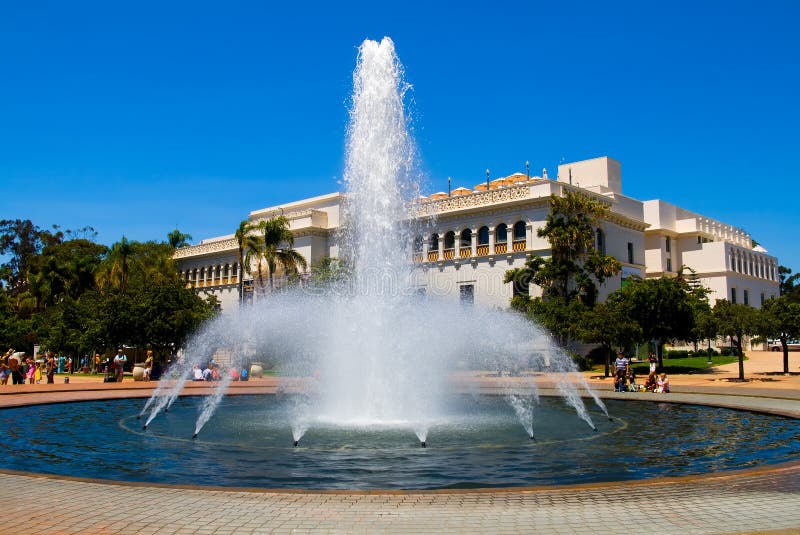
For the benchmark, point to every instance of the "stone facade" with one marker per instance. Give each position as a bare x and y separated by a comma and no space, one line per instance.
469,238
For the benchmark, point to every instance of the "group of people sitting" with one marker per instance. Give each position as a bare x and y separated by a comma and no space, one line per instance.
625,377
212,372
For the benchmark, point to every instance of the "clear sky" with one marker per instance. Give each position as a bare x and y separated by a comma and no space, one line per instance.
135,117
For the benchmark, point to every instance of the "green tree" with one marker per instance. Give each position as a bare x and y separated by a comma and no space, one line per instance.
176,239
610,324
276,250
736,321
780,319
115,269
788,283
663,309
574,269
248,244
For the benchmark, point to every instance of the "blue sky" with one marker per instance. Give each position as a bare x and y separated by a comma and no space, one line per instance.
135,117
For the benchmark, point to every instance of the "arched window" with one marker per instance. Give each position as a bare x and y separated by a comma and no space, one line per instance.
519,230
483,236
601,241
450,240
433,244
466,238
418,244
501,233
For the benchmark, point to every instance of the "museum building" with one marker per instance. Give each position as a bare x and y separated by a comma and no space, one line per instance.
470,237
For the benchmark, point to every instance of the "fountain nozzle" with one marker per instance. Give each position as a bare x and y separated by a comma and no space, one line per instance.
594,429
295,443
139,417
533,437
144,427
610,419
194,436
423,444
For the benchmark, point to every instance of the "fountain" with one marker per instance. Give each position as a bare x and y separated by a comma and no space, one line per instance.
375,390
375,349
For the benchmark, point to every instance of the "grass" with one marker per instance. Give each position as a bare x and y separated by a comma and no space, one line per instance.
679,366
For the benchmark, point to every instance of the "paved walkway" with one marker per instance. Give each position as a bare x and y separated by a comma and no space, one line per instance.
765,500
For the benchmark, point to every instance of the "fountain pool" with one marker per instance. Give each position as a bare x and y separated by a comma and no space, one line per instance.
480,444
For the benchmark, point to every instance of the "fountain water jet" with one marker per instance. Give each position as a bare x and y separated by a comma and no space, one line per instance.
376,349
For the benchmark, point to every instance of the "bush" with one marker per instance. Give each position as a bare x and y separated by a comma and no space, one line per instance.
676,354
597,355
726,351
584,362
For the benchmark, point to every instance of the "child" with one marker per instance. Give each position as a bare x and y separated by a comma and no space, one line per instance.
37,375
662,384
5,372
632,380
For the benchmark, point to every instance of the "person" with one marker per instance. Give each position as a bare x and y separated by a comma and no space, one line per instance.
631,376
5,373
17,377
662,384
69,365
650,383
119,362
148,365
651,358
38,374
50,368
621,366
62,361
619,382
197,373
97,363
207,374
30,373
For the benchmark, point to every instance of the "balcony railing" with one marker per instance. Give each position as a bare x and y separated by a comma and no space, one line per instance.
500,247
417,257
482,250
518,245
464,252
433,256
449,254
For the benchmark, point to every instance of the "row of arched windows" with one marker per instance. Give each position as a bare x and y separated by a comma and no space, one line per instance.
214,275
444,246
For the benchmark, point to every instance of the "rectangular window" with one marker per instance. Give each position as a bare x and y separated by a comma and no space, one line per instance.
467,294
669,264
669,244
746,297
733,295
630,253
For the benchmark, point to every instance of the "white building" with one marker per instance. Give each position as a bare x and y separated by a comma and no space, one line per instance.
474,235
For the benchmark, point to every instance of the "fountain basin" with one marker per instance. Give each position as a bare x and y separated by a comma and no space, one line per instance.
477,442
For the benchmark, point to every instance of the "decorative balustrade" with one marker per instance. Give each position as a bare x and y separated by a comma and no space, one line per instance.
433,256
500,247
482,250
449,254
464,252
518,245
417,257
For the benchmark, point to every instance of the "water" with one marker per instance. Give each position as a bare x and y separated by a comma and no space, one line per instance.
374,354
480,443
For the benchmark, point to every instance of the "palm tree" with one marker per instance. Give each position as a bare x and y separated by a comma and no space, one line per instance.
115,268
176,239
274,233
248,245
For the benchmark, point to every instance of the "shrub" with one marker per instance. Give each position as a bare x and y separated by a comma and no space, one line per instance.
676,354
583,362
597,355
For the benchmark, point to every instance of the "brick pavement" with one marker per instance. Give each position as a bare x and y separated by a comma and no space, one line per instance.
751,501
